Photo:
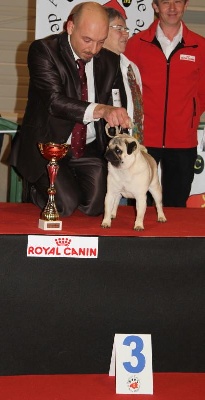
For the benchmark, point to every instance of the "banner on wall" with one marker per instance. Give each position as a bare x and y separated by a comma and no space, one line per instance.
51,14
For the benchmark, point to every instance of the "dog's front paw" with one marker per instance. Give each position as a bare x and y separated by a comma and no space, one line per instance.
162,219
106,224
138,228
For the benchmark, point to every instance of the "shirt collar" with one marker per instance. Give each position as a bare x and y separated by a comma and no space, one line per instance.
88,65
74,54
160,34
124,60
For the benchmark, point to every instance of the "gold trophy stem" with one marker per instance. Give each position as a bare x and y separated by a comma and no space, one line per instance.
50,212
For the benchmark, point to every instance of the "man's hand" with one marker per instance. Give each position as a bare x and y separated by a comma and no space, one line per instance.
115,116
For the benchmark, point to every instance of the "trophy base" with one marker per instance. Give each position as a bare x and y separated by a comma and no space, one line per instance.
50,225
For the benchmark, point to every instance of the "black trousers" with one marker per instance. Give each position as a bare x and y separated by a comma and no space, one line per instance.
177,166
80,183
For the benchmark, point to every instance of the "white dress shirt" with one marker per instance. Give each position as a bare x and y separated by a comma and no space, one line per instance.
168,45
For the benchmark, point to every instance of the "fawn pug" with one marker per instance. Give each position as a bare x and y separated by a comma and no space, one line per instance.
131,173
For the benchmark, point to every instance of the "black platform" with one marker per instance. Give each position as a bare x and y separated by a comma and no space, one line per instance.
60,315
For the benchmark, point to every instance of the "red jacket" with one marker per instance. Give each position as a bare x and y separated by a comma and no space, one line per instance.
173,89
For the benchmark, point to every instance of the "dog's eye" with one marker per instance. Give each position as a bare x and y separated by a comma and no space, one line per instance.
118,151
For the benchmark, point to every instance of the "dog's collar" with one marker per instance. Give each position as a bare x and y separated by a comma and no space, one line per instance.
115,131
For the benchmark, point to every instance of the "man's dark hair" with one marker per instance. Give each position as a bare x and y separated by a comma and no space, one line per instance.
157,2
113,13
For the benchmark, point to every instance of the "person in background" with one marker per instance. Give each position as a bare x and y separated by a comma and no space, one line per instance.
116,41
171,61
71,82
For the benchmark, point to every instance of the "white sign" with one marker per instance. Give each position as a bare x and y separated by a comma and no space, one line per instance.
62,246
131,362
51,14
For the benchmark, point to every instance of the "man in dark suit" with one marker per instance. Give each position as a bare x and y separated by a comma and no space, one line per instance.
55,106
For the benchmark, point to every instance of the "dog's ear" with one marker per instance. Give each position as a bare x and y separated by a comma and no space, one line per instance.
131,146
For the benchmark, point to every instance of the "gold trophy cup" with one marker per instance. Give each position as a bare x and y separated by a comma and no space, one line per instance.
49,218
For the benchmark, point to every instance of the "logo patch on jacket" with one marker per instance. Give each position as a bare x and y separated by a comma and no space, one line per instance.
187,57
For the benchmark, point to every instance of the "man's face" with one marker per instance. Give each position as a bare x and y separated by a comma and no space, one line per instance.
117,39
87,36
170,11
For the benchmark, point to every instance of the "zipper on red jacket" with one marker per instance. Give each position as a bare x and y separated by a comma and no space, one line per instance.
165,105
194,112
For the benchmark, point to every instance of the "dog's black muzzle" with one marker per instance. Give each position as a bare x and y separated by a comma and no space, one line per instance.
114,156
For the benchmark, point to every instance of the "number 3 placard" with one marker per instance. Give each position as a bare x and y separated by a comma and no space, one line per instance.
132,363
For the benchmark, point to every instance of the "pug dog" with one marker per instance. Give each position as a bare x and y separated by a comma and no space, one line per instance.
131,173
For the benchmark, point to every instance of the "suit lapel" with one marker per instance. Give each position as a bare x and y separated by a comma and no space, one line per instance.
68,57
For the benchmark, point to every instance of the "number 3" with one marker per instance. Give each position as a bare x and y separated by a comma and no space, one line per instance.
137,353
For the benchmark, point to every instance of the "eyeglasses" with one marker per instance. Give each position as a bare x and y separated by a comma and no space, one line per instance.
120,28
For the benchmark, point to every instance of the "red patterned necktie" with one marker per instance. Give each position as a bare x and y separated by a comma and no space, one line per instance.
78,138
137,129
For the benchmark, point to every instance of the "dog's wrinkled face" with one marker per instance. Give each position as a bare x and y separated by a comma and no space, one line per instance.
119,148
